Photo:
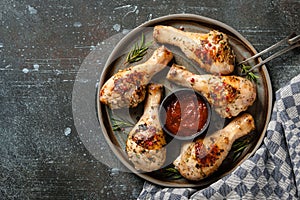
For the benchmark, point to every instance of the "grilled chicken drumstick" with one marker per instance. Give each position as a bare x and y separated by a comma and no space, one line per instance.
211,50
201,158
127,88
228,95
146,141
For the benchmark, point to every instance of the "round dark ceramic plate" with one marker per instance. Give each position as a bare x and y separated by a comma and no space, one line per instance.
260,110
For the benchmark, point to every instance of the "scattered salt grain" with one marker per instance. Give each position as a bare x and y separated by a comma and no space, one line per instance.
92,47
32,10
36,67
58,72
25,70
67,131
125,31
114,172
77,24
117,27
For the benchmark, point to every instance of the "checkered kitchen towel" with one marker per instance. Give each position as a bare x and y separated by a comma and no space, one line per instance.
273,172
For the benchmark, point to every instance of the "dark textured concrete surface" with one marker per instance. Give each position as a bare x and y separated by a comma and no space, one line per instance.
43,45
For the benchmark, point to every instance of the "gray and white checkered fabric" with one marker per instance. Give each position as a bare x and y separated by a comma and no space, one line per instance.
273,172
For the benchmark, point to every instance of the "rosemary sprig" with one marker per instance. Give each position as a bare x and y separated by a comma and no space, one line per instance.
249,74
170,172
118,124
239,146
138,51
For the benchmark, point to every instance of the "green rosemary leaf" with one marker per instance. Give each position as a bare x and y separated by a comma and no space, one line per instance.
245,68
138,59
138,51
171,169
240,145
143,40
236,156
252,76
118,124
249,74
170,173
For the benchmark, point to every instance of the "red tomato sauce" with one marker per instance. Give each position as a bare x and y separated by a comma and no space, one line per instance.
187,116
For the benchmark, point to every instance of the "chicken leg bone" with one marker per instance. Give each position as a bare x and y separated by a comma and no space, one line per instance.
210,50
127,88
203,157
146,142
228,95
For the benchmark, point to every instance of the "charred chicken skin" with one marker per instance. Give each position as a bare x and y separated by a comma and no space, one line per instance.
228,95
203,157
146,142
210,50
127,88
